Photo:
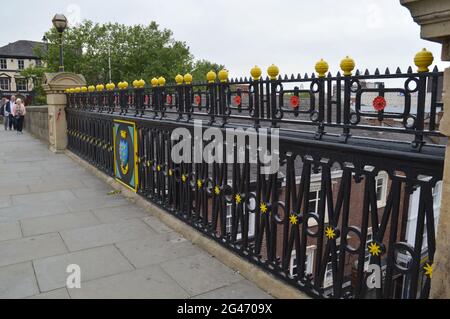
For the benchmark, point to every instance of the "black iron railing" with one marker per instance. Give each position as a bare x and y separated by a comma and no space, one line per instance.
356,192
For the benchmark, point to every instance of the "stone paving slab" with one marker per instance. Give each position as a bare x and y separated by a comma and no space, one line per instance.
155,250
10,231
56,223
58,294
105,234
243,289
17,281
118,214
147,283
209,273
94,263
25,249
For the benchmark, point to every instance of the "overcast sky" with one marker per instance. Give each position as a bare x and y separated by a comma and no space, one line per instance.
294,34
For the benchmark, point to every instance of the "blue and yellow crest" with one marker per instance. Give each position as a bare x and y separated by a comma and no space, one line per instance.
124,153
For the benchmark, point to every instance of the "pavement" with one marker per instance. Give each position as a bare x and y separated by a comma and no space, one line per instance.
54,213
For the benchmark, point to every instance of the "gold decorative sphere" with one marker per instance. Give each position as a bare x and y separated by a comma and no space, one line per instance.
322,68
77,90
154,82
178,79
84,89
273,72
348,65
110,86
223,76
91,88
423,60
162,81
100,87
188,78
141,83
256,73
211,76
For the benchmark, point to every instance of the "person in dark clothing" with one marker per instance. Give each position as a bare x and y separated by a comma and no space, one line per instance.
9,109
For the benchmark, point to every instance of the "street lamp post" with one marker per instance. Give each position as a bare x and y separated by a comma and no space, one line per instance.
60,23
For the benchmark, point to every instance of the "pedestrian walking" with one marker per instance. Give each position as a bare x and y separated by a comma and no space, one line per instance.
19,115
3,112
9,108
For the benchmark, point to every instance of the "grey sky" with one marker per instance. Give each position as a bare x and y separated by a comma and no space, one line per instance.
293,34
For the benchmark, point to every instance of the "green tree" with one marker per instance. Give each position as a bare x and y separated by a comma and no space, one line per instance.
136,52
36,74
202,67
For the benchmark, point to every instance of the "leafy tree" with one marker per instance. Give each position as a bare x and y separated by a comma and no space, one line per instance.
202,67
136,52
36,74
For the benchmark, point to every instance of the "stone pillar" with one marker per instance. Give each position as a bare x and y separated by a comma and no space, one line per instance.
433,16
55,85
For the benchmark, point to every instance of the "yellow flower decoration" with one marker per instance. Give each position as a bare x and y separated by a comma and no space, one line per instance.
330,233
263,208
374,249
199,183
217,190
170,173
428,270
158,168
293,219
184,178
238,198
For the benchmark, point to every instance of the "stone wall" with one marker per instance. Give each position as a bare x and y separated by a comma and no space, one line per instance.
36,121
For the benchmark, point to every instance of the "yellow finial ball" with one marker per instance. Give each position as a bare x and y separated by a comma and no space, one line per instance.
110,86
211,76
77,90
154,82
273,72
322,68
162,81
84,89
256,73
124,85
141,83
348,65
135,83
100,87
178,79
188,78
223,76
91,88
423,60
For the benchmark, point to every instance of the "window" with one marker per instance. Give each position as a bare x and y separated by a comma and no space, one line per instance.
328,278
4,84
21,64
21,84
3,64
314,205
229,226
38,63
381,182
368,242
310,251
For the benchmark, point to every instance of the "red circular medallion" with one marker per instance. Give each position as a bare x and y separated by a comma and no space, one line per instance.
379,103
295,102
237,100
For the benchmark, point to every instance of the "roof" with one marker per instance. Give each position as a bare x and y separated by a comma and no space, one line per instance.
22,49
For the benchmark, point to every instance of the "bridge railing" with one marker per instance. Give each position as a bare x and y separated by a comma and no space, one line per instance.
342,216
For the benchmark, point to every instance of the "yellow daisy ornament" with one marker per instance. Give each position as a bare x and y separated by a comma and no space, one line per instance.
428,270
374,249
330,233
293,220
263,207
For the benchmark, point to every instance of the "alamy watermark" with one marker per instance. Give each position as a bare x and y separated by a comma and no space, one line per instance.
253,146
